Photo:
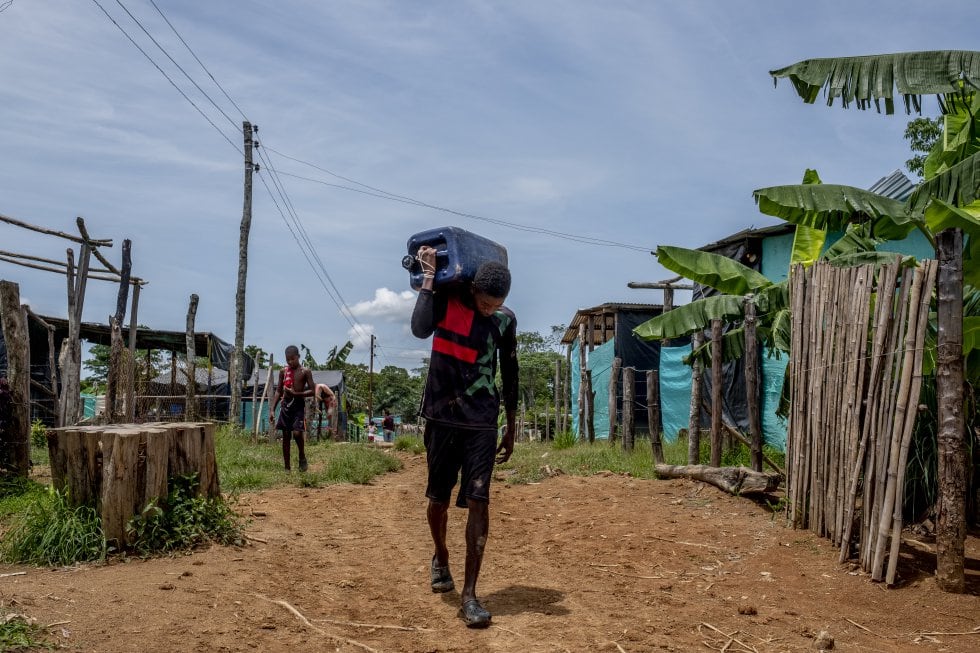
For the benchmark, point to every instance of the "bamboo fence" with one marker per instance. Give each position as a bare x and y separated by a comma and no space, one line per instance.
853,411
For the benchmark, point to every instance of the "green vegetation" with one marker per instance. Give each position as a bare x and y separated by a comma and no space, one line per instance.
17,633
410,443
529,462
244,466
16,493
50,531
187,521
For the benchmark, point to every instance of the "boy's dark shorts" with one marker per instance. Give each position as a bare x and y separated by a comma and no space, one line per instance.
450,450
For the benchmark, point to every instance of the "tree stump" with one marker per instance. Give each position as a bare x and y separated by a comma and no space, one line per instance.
120,469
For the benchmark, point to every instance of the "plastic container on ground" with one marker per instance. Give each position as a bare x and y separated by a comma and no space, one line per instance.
459,254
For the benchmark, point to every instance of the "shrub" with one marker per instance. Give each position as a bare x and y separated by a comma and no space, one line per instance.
185,521
564,440
39,434
18,633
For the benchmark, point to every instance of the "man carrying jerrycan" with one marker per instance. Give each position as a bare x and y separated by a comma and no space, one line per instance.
470,326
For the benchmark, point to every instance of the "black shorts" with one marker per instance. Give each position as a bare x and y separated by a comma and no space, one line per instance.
449,450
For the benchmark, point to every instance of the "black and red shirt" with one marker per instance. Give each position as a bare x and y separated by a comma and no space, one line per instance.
460,389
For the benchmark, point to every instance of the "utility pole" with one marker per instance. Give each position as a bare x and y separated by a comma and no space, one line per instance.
371,382
246,226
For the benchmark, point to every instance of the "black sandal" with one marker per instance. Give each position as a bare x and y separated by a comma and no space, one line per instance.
474,614
442,580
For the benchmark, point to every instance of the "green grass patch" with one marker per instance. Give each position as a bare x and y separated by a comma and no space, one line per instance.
410,443
247,466
50,531
17,633
528,464
16,493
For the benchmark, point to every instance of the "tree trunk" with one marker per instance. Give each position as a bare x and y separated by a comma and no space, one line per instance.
717,385
734,480
15,430
71,370
694,423
190,409
131,381
951,525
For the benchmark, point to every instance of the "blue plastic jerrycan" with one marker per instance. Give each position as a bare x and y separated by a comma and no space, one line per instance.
459,254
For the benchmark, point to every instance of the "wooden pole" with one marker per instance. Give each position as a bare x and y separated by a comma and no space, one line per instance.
115,371
629,400
653,415
131,384
752,383
613,387
566,407
51,232
235,373
71,372
267,392
557,429
582,430
589,406
951,525
694,421
15,434
717,383
190,410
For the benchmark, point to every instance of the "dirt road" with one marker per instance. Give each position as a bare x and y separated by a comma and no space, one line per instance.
606,563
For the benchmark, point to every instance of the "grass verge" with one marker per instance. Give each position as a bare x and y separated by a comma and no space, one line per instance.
50,531
18,633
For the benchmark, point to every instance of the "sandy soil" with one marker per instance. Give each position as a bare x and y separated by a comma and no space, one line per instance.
607,563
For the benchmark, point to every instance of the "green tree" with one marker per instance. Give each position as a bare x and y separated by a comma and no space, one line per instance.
398,391
98,366
922,135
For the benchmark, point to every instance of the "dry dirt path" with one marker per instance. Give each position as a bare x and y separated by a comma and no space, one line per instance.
606,563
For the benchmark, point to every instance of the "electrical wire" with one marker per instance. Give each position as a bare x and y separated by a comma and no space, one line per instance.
179,67
383,194
162,72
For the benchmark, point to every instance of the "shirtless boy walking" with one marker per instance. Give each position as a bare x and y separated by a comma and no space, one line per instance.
295,385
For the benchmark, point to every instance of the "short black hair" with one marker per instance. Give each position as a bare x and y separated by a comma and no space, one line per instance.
492,278
292,349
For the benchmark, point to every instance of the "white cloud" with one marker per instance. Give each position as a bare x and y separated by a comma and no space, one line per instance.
360,335
387,305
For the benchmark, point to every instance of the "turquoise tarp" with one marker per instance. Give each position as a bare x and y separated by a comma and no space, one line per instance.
773,426
600,363
675,390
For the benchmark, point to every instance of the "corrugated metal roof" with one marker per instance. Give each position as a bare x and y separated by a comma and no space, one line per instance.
896,186
750,234
604,315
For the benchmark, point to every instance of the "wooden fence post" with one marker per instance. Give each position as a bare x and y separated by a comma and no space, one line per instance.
190,410
613,385
694,421
752,383
582,430
589,406
717,383
653,415
629,399
15,434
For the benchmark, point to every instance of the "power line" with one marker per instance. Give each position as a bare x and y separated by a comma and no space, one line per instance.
162,72
394,197
179,67
193,54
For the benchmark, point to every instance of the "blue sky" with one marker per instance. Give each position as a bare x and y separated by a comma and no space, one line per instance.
639,122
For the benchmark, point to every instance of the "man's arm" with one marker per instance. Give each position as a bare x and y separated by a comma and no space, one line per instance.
509,379
423,317
309,386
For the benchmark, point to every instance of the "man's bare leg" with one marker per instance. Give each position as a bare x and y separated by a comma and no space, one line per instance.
286,437
301,449
438,516
477,528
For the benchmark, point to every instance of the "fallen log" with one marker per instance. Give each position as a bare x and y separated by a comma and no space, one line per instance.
734,480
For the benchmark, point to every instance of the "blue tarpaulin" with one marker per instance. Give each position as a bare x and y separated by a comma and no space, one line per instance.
675,390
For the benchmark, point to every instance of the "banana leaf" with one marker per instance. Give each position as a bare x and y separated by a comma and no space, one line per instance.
781,331
732,348
875,258
867,79
719,272
855,239
959,186
772,299
807,241
692,317
971,347
832,207
960,129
